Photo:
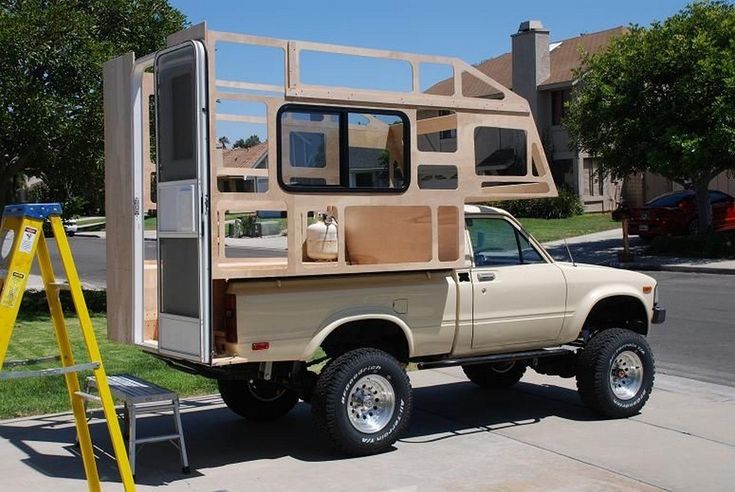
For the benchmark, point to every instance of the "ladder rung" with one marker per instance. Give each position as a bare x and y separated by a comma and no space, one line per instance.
167,437
49,372
87,396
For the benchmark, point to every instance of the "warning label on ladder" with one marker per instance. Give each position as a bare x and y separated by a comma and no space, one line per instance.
13,289
26,241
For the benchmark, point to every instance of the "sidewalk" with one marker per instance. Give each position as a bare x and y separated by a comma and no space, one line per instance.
602,248
535,437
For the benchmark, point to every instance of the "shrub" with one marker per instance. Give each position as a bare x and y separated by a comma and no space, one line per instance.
567,204
34,301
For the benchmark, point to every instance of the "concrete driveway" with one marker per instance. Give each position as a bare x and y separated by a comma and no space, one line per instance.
534,437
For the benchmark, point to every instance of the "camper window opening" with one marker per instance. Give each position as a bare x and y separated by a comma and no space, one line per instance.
328,150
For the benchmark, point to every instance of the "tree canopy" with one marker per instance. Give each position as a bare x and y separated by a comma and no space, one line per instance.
51,125
662,99
251,141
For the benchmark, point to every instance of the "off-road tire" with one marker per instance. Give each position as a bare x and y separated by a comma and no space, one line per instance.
596,363
331,401
256,400
495,375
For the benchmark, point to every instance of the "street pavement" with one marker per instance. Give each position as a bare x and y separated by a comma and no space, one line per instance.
534,437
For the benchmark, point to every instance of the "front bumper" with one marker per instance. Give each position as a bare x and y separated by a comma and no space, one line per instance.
659,315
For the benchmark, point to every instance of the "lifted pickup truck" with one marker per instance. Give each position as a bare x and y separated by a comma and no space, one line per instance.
385,263
511,308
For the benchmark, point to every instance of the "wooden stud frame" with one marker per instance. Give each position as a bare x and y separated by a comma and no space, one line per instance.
130,144
511,111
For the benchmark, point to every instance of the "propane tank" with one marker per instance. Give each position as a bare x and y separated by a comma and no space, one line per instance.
321,238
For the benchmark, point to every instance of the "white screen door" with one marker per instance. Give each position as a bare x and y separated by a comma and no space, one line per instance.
183,215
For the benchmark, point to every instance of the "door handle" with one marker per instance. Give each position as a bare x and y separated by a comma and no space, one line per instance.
485,277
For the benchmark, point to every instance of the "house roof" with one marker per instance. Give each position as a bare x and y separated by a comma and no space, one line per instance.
244,158
564,58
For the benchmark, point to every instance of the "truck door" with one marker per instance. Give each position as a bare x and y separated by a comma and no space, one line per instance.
183,216
519,298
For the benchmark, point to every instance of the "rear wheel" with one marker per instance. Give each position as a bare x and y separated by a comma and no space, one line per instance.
495,375
256,400
615,373
362,401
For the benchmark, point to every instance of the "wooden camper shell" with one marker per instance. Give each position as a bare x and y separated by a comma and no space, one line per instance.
424,225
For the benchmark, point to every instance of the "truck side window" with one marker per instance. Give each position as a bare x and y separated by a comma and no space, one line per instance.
495,242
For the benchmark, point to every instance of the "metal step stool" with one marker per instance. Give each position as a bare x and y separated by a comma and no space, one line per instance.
142,397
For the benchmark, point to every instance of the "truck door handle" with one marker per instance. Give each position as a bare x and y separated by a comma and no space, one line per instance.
485,277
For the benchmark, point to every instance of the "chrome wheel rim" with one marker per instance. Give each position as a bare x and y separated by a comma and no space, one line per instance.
370,403
626,375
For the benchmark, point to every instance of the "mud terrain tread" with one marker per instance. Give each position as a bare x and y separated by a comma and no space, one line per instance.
326,405
592,372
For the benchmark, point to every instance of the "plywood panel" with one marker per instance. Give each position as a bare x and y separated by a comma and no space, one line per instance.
388,234
119,196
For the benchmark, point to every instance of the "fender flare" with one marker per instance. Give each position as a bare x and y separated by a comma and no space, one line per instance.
331,326
585,307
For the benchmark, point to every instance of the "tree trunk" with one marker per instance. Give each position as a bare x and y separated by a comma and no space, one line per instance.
704,207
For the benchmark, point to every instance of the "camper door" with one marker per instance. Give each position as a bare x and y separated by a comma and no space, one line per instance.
184,276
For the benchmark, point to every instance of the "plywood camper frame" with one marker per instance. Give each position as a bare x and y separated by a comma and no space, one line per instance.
129,85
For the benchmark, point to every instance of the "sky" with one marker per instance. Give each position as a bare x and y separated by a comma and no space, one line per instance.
470,30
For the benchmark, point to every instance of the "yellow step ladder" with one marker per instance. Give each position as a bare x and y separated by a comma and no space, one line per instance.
21,237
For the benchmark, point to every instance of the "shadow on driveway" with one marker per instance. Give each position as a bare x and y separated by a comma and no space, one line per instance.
216,437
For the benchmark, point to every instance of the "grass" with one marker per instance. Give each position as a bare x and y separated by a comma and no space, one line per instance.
149,223
720,245
552,229
33,337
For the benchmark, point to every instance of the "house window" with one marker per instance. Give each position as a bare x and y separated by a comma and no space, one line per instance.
327,149
559,101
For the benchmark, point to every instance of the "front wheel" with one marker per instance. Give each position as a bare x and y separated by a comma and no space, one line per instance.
615,373
256,400
362,401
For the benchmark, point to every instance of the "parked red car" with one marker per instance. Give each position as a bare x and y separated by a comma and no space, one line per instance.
676,214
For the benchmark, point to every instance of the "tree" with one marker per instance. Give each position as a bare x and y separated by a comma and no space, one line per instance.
223,141
251,141
51,124
662,99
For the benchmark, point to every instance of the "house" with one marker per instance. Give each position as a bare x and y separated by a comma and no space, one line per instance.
255,157
543,72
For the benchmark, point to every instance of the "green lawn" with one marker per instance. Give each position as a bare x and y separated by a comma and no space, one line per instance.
149,223
551,229
33,337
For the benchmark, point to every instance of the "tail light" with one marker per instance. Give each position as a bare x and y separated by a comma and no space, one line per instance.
230,323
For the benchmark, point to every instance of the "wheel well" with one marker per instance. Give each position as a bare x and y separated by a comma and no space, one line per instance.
375,333
618,312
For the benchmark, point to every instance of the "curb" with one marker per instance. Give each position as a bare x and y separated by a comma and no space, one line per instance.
653,267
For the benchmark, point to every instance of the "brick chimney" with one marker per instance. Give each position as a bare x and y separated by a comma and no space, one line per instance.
531,63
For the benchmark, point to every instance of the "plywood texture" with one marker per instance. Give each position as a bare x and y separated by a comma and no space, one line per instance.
119,197
412,229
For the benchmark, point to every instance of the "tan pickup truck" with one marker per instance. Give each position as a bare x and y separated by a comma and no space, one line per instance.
511,308
381,268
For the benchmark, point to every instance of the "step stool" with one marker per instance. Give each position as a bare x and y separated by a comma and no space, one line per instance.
141,397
